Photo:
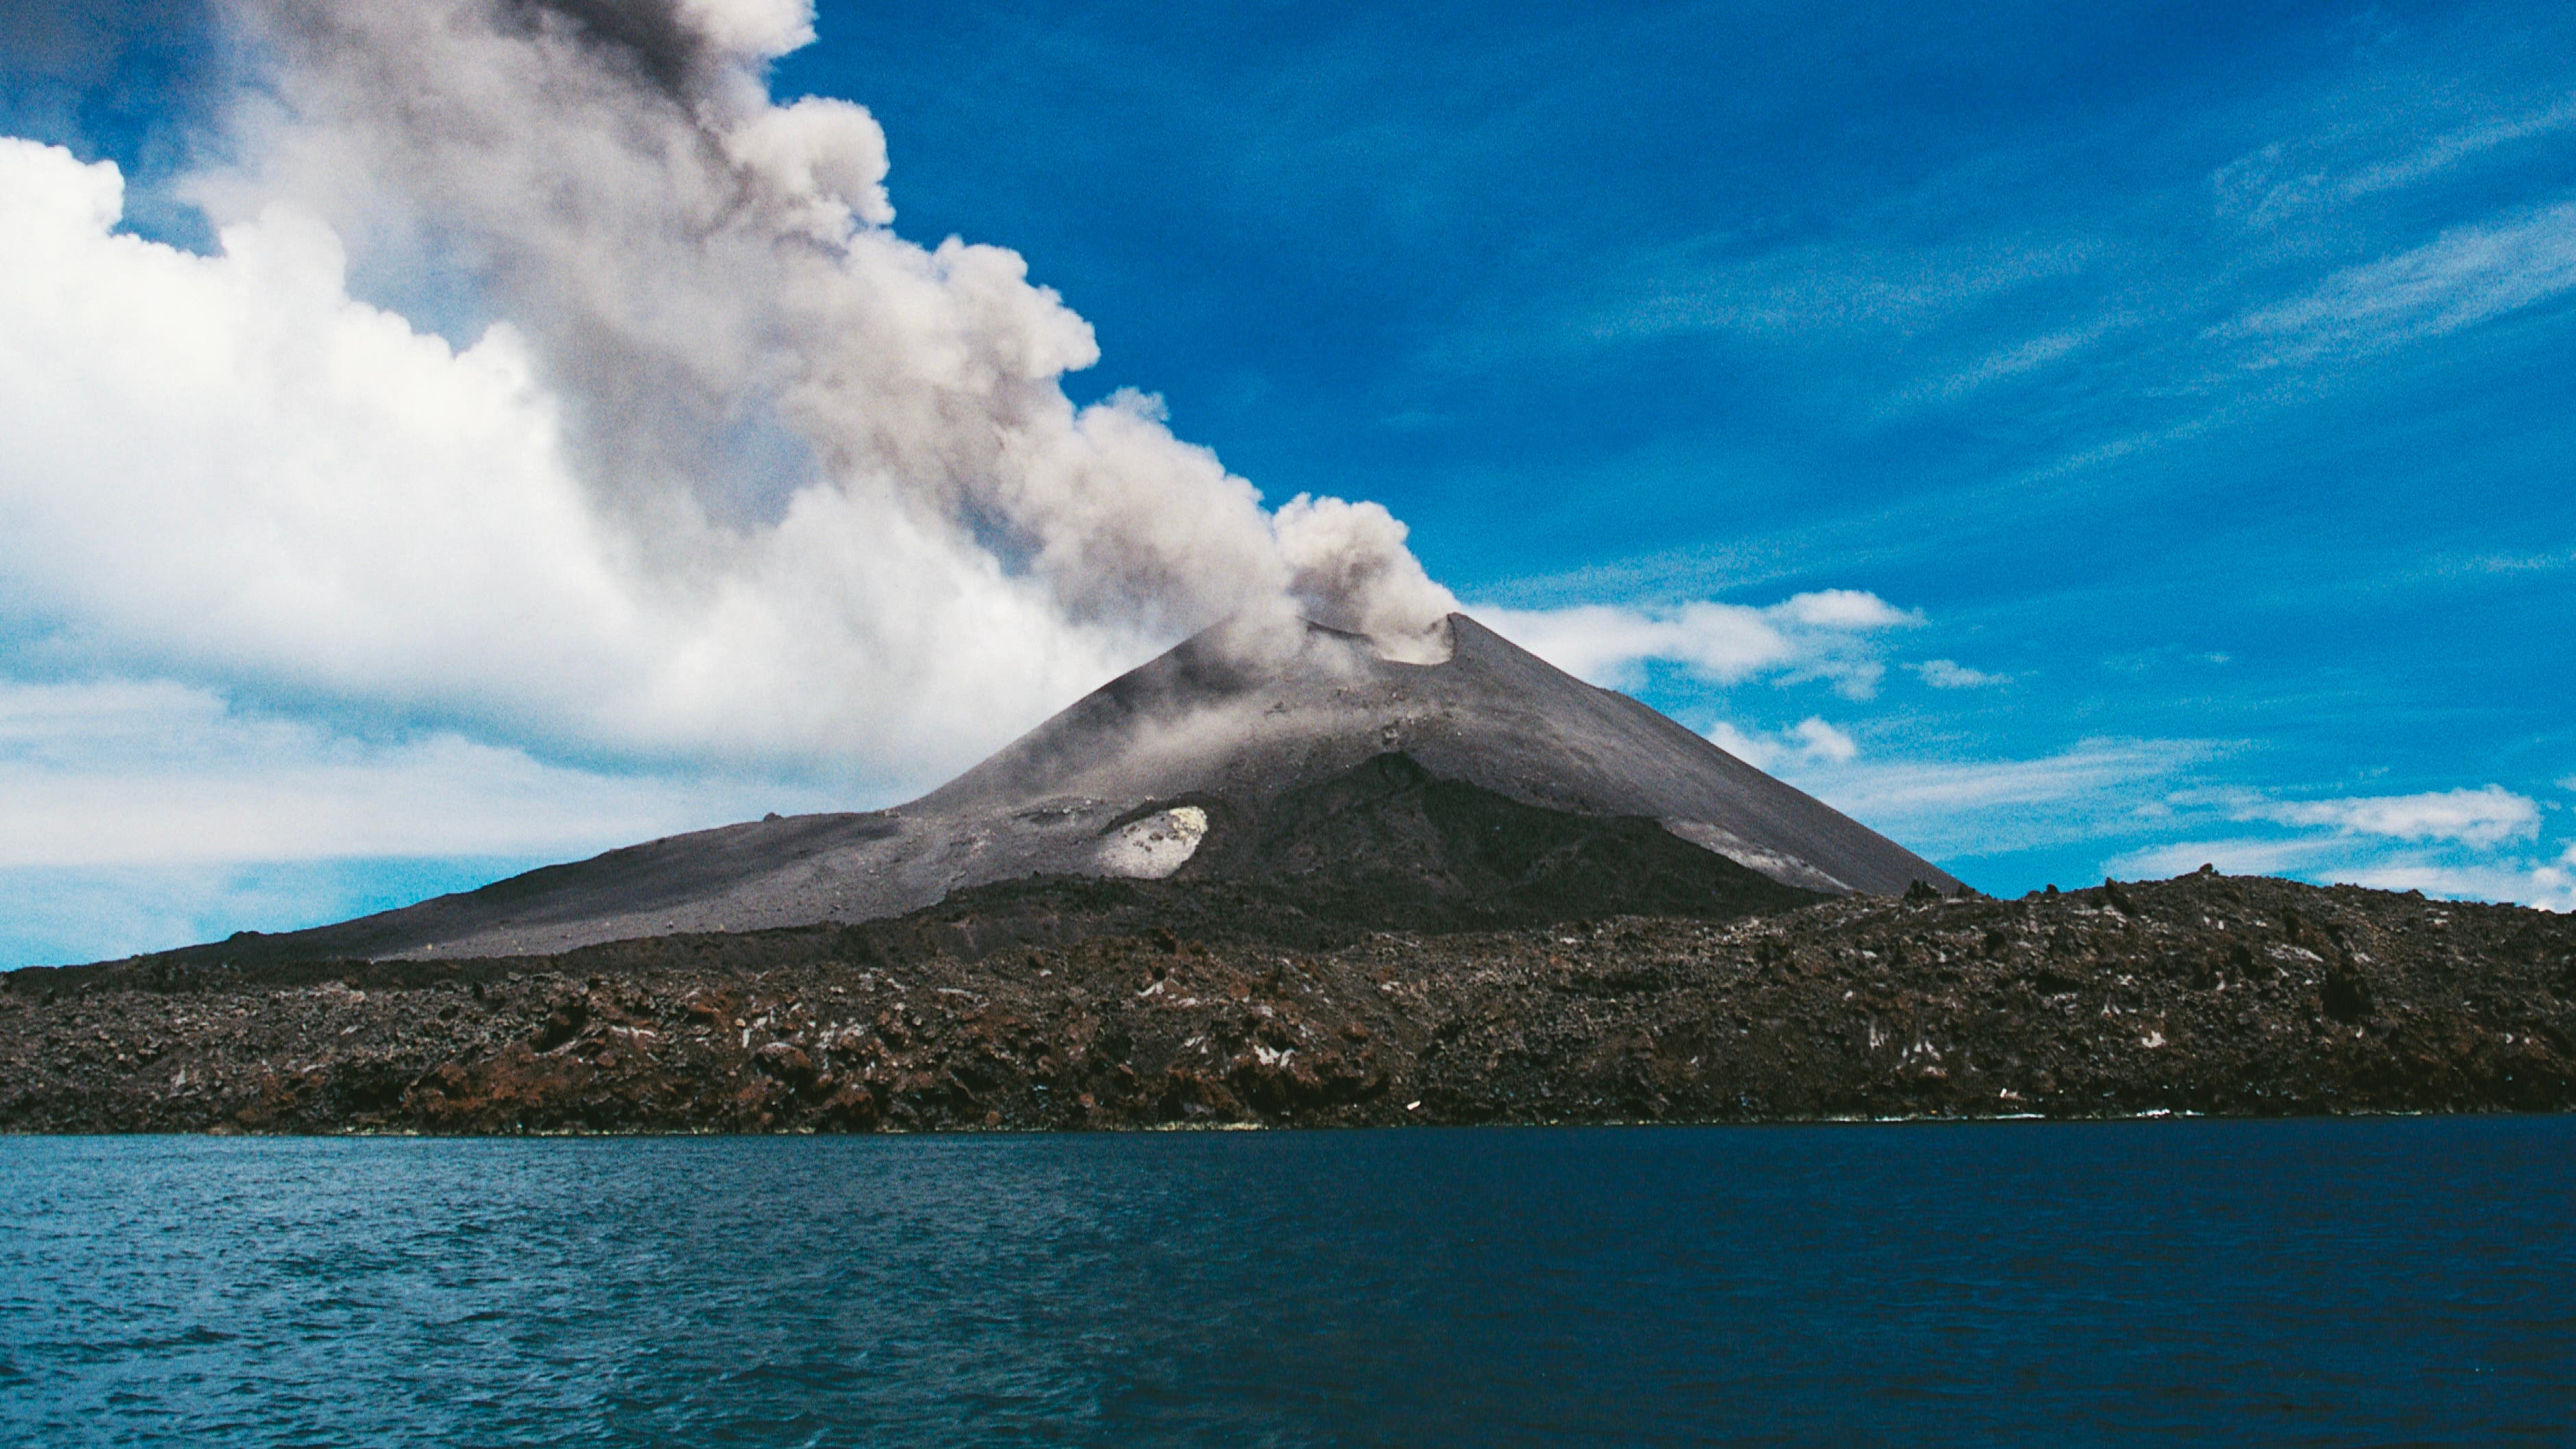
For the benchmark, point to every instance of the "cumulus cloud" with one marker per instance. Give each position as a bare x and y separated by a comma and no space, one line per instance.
2465,843
54,915
140,814
1950,674
125,773
2484,817
2142,802
2550,886
1827,634
2546,883
728,471
1811,740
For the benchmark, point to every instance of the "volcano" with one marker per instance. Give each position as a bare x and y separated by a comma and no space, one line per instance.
1488,779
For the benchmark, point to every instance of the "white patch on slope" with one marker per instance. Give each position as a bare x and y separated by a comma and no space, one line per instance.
1156,846
1780,866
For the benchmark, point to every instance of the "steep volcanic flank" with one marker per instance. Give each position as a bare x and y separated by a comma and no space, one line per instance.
1490,783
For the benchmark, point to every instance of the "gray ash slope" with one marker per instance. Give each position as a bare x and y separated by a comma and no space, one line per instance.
1490,783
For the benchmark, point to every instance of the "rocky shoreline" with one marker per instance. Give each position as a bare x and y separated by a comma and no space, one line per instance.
1050,1005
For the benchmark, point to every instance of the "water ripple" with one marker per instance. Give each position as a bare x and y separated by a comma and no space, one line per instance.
2295,1282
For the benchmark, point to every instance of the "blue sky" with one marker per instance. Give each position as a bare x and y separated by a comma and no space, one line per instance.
2187,387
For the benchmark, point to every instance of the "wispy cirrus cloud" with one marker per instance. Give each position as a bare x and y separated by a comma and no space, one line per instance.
2232,855
2283,181
2463,277
1945,806
2013,361
1700,286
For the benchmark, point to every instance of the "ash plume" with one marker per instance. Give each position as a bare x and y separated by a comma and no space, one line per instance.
823,489
702,268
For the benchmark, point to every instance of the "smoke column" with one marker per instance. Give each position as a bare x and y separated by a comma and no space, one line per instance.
724,467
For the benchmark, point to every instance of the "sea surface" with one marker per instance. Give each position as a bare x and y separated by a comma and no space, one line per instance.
2345,1282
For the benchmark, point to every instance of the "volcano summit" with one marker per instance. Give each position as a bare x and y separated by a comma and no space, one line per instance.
1485,778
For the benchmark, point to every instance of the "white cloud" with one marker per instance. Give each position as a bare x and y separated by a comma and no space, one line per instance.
51,916
1811,739
2499,564
2550,886
1950,674
2234,856
2141,800
740,489
1821,635
2012,361
2280,182
1954,807
2024,357
2081,771
1821,741
2097,788
2485,817
225,462
741,477
1850,609
2461,278
1699,286
2452,843
128,773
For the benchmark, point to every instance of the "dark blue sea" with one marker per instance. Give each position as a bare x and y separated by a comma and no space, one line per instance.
2354,1282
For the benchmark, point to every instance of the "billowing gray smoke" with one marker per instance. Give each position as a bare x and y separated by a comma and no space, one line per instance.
700,267
821,487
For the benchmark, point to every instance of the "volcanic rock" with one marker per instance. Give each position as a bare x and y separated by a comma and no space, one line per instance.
1114,1002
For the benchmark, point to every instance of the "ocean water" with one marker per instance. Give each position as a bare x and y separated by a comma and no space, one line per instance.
2318,1282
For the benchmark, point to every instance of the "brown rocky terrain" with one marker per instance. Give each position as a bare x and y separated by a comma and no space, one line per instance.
1115,1004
